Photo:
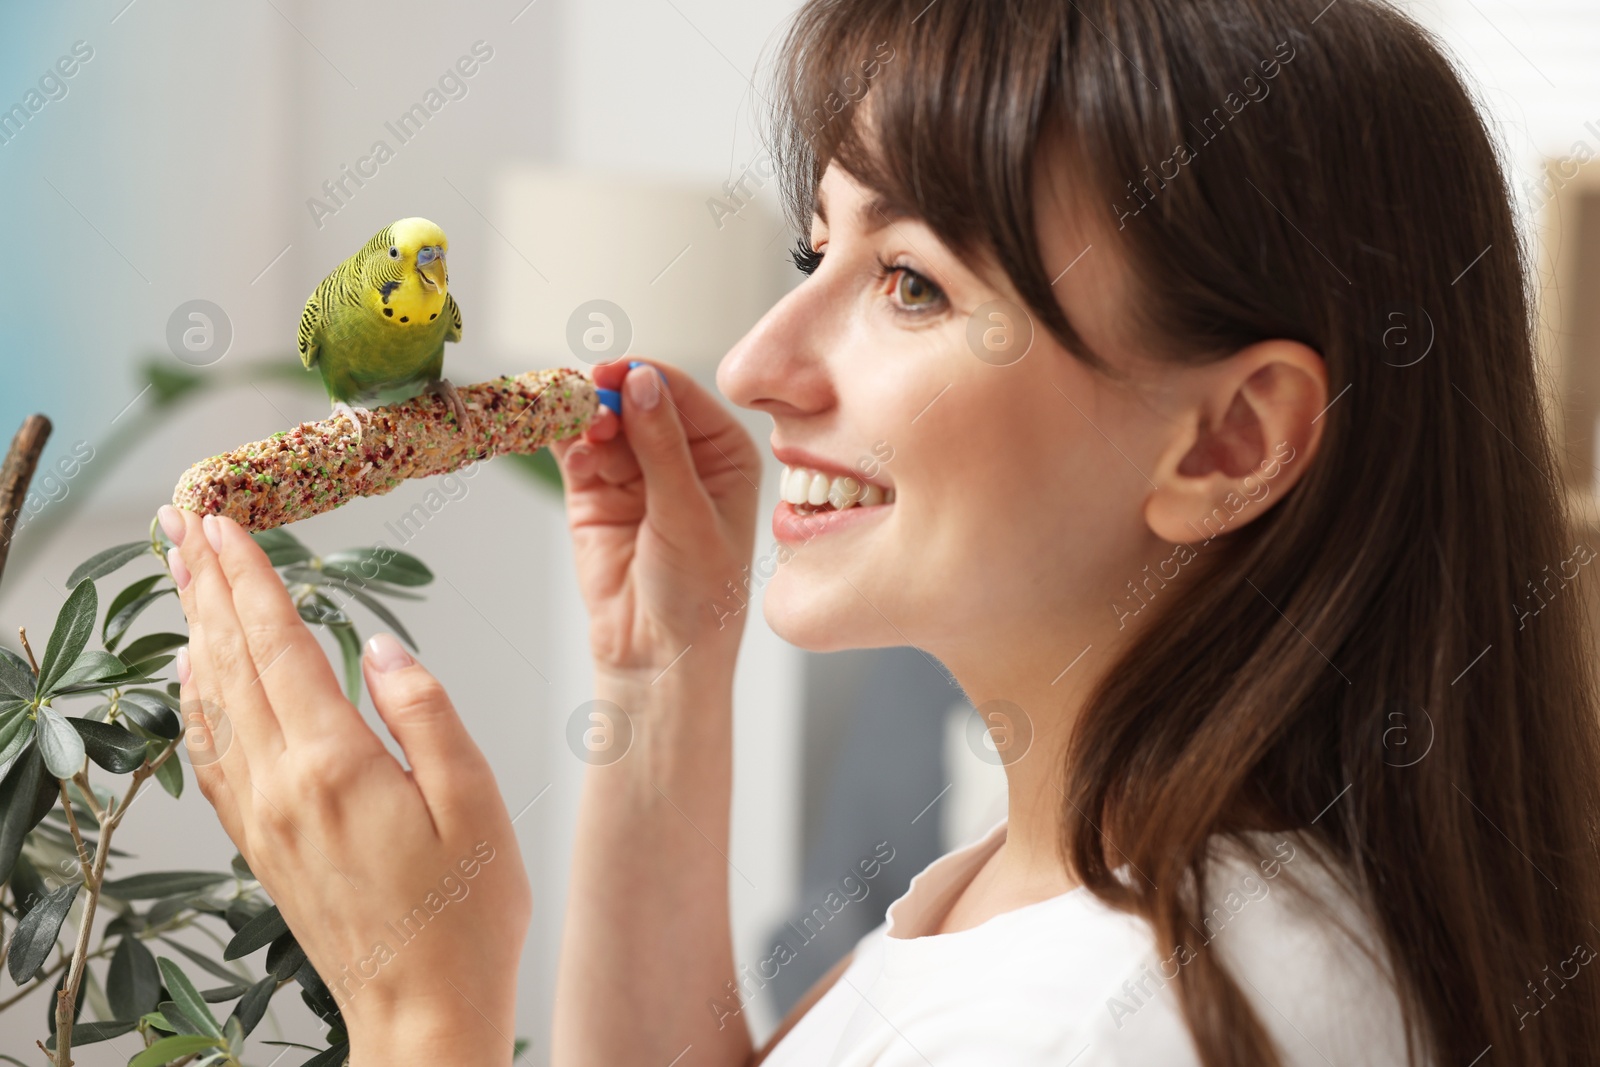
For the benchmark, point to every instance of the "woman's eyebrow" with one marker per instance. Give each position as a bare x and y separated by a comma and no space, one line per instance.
880,211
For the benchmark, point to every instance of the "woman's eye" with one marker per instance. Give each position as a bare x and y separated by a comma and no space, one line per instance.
914,292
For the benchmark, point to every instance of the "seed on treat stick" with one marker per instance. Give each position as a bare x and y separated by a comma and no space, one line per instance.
317,466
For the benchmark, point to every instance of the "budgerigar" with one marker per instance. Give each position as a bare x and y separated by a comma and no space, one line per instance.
376,326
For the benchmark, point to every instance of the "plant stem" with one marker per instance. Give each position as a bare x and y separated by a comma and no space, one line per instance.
93,878
22,631
72,824
82,778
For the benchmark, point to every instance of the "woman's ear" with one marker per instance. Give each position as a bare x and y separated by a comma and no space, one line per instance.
1248,430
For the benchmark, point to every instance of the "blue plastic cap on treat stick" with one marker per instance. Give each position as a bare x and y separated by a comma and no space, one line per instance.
612,398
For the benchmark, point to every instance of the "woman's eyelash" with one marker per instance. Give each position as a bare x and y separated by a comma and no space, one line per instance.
806,259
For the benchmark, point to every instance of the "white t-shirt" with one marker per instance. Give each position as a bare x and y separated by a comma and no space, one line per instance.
1070,981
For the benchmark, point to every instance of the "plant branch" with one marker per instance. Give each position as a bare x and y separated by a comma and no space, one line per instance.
16,473
22,632
66,999
82,778
77,835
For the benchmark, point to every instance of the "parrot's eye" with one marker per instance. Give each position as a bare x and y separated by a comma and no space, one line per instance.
394,253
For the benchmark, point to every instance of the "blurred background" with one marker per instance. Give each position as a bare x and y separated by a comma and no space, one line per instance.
596,158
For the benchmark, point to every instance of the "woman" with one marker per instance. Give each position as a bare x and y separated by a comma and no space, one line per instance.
1199,333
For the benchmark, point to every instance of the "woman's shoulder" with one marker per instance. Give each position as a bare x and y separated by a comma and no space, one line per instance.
1073,980
1297,935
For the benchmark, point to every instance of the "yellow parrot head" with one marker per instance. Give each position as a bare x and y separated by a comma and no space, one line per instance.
419,246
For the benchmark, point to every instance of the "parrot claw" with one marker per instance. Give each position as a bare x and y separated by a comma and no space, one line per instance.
444,388
340,408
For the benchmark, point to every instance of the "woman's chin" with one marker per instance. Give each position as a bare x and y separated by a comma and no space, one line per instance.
818,615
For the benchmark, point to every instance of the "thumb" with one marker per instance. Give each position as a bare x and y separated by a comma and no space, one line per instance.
446,763
674,498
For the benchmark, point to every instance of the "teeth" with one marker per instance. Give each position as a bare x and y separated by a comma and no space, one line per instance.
808,488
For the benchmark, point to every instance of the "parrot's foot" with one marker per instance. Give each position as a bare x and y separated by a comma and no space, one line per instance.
340,408
442,387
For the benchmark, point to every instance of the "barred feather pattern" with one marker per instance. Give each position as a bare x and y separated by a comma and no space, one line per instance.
370,267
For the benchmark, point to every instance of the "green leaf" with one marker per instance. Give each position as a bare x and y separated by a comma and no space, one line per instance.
151,645
27,887
384,564
110,745
187,997
26,783
175,1047
285,957
381,610
340,579
332,1057
103,563
261,930
233,1031
240,867
133,982
74,624
37,932
16,677
89,1033
151,712
318,610
170,775
59,744
315,992
16,730
253,1005
233,978
282,547
117,623
350,646
154,885
91,666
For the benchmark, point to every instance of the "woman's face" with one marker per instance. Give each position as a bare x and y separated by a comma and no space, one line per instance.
1012,508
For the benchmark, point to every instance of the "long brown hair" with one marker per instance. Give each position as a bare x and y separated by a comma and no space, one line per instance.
1313,171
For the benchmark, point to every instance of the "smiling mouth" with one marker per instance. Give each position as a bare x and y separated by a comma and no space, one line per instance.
811,492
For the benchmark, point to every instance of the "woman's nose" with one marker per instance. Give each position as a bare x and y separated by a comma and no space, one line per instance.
779,367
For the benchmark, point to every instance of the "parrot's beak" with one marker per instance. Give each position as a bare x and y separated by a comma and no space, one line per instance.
431,268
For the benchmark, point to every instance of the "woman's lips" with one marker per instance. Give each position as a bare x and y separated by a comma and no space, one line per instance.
792,527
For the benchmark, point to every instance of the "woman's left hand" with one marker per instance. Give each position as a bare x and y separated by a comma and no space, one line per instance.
406,888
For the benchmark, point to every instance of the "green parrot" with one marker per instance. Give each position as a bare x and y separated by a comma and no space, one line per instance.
376,326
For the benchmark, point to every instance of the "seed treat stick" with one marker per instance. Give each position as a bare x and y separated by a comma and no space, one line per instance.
317,466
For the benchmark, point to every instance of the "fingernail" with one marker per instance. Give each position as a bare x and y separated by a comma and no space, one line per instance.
386,653
632,363
213,529
180,664
644,389
178,569
580,459
171,523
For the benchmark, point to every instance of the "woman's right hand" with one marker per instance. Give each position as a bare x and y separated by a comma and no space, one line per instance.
661,503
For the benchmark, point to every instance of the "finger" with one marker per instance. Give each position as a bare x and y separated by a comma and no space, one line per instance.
300,686
222,661
219,768
448,767
676,501
184,527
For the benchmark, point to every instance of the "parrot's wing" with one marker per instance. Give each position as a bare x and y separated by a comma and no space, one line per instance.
310,338
453,317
